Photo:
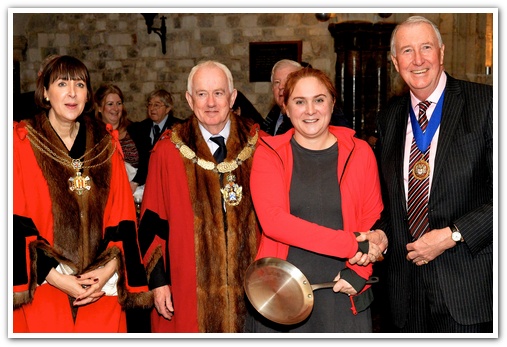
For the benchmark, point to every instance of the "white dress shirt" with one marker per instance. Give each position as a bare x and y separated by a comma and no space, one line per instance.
409,135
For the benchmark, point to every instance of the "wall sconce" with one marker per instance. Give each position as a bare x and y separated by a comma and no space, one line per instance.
161,32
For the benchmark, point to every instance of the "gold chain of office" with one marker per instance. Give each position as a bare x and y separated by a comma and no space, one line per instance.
77,183
223,167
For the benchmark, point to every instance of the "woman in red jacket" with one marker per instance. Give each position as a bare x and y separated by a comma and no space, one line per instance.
313,188
76,260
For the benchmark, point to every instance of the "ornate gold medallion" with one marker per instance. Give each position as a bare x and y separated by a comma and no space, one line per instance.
421,169
79,183
232,192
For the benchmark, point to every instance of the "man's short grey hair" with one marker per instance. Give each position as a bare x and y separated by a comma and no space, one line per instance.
209,63
283,63
410,21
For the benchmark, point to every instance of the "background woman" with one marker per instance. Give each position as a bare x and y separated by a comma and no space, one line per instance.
312,188
110,107
75,255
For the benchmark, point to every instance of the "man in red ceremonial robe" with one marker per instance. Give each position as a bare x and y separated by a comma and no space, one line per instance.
198,231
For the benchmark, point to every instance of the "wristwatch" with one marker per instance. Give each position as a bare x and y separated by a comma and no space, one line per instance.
456,235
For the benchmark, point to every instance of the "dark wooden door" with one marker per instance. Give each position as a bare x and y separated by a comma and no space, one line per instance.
363,71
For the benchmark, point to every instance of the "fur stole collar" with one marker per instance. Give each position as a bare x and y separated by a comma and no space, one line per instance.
77,218
225,241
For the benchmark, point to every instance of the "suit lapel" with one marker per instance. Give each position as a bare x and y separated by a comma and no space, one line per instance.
398,128
452,108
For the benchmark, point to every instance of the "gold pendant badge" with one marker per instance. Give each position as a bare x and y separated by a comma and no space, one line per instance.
79,183
232,192
421,169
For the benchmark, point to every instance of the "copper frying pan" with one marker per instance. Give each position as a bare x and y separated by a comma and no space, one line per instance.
280,291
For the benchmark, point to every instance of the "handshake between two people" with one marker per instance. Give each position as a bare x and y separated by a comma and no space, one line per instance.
377,244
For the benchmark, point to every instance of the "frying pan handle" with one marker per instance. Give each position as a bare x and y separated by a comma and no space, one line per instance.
371,280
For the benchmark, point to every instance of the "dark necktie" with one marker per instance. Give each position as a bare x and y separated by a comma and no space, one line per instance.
278,124
156,133
418,189
285,126
221,152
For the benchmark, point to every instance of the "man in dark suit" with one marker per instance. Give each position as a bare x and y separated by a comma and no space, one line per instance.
439,276
277,122
159,105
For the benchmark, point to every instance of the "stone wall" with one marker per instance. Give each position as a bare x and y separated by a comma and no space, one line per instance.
117,48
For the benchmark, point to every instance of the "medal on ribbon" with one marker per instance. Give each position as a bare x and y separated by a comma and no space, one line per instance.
421,169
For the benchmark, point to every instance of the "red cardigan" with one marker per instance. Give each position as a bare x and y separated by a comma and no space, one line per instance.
361,199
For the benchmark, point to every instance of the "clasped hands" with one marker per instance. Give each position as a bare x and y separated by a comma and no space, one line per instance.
85,288
378,243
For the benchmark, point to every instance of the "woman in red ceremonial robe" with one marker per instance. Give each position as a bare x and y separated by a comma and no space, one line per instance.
76,260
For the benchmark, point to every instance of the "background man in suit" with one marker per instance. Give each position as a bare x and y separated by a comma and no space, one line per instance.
277,122
440,281
159,106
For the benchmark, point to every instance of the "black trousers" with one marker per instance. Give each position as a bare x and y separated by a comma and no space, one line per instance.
138,320
429,314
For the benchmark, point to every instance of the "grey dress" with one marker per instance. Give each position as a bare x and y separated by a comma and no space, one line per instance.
315,197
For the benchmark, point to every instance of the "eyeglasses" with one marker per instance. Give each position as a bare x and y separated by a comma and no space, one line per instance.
154,106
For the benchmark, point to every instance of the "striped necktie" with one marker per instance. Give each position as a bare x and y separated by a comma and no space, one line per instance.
418,182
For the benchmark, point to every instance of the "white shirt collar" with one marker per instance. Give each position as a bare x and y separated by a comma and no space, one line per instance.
162,122
206,135
435,96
